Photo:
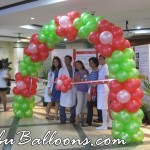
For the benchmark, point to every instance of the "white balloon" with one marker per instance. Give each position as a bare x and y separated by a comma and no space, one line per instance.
106,37
59,82
21,85
64,21
32,48
123,96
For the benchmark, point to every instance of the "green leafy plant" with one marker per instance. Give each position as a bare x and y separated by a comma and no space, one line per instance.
6,64
147,87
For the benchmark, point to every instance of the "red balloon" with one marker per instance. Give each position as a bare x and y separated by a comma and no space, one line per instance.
25,92
118,43
126,43
26,51
65,82
18,76
137,94
35,57
112,96
34,39
42,48
117,32
98,47
69,79
63,77
73,15
111,26
71,30
64,89
106,50
103,25
116,106
132,106
56,19
60,31
94,37
58,87
44,56
69,87
27,80
70,38
16,91
115,86
132,84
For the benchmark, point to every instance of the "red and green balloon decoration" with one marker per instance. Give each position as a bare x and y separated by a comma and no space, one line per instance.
125,93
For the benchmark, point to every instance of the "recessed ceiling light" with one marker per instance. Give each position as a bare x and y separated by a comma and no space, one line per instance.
138,27
65,39
32,18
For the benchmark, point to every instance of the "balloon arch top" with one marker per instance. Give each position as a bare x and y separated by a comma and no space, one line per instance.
125,96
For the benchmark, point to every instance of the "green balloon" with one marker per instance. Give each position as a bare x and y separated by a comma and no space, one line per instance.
51,22
114,115
24,72
117,125
99,18
87,18
128,53
52,28
24,106
83,33
127,64
124,116
30,69
83,14
115,134
78,23
22,64
34,74
45,29
31,99
19,99
121,76
113,68
18,113
51,38
91,26
108,60
125,136
133,127
133,73
117,56
138,137
32,105
28,113
138,115
42,38
112,76
15,105
27,59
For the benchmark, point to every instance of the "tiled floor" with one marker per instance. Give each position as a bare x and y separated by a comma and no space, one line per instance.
38,133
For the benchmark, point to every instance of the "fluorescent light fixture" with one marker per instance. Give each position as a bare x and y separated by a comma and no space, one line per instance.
65,39
32,18
18,41
31,27
141,31
138,27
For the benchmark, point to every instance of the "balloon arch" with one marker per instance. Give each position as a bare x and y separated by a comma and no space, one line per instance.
125,94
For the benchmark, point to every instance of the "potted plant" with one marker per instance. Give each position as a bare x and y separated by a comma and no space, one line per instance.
7,64
147,92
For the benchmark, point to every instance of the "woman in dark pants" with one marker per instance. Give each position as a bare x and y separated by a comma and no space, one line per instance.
93,63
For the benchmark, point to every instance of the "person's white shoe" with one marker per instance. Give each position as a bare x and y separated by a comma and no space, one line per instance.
101,128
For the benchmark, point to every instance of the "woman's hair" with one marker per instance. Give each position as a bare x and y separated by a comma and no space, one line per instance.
95,60
1,64
102,56
83,67
69,57
59,66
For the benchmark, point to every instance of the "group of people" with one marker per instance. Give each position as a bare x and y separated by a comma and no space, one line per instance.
81,96
4,76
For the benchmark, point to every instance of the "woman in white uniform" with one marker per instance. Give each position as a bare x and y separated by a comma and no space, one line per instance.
102,94
51,94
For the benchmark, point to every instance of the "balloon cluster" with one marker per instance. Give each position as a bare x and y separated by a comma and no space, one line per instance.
63,83
24,100
22,106
127,95
25,85
127,125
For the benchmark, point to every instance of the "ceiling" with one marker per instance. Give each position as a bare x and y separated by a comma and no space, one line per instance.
15,13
